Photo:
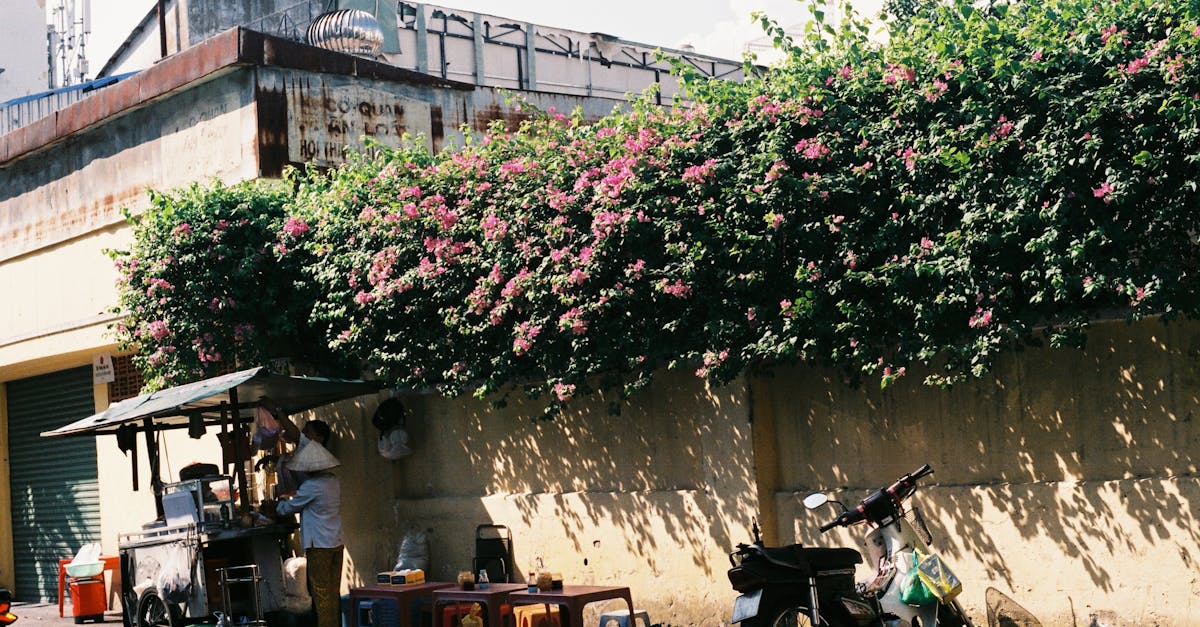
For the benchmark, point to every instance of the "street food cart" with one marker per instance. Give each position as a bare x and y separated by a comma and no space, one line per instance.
207,554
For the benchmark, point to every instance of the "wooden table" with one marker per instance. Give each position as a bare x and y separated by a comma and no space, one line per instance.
573,599
491,598
403,595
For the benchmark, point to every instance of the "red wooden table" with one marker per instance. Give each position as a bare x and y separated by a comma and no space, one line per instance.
491,598
573,599
404,596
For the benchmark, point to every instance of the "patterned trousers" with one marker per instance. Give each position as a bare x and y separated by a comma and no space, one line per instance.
325,584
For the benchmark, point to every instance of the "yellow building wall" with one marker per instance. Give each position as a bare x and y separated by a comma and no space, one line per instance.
1065,482
653,498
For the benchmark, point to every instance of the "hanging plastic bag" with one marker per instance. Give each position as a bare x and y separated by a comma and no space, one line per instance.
174,578
295,585
414,552
912,590
937,577
266,429
393,443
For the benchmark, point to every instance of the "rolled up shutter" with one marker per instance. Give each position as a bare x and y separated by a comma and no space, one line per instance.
55,493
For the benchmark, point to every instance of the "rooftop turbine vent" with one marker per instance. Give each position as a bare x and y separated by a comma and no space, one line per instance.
350,31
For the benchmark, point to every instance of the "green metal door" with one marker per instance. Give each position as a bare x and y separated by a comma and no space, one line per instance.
55,494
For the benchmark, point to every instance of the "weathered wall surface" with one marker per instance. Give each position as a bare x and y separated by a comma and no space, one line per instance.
81,278
80,184
1066,481
1064,486
652,498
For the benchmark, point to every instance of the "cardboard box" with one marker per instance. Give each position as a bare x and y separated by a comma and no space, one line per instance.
400,577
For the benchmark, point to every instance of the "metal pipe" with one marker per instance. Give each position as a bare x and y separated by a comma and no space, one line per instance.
152,454
240,454
162,28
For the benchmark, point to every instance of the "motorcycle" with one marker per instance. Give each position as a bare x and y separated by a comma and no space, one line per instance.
6,615
798,586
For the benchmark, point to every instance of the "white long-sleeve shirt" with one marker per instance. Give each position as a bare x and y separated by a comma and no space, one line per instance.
319,501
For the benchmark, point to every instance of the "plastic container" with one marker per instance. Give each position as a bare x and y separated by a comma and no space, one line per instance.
85,569
88,599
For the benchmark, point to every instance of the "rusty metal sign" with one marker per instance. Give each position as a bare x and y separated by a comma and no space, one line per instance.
324,120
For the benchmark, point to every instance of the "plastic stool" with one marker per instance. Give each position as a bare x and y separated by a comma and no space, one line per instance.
622,618
536,616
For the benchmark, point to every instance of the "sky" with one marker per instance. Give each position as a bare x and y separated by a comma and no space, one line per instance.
720,28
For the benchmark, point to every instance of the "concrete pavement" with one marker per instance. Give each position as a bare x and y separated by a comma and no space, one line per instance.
46,615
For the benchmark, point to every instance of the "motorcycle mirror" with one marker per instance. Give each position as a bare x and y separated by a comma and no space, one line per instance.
815,500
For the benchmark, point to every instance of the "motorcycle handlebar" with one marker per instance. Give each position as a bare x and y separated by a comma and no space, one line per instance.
898,491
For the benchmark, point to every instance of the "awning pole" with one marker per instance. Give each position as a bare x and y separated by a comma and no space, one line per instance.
240,454
156,483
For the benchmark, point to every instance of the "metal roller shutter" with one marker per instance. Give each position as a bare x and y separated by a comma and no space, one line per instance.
55,494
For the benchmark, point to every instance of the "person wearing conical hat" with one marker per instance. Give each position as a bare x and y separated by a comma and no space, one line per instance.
318,501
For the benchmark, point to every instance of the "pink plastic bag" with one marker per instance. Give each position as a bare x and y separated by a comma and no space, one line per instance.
266,430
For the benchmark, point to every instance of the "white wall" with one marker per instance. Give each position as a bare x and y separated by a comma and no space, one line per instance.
22,48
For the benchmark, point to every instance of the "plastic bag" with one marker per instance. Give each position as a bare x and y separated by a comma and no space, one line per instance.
295,585
393,443
937,577
414,552
913,591
266,429
174,578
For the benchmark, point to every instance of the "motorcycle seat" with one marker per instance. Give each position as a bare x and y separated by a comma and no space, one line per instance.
833,559
814,559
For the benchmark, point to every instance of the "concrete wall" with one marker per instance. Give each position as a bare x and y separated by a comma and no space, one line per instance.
653,498
1066,482
81,184
493,50
1065,489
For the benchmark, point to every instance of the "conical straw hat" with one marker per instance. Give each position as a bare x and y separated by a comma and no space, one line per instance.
312,457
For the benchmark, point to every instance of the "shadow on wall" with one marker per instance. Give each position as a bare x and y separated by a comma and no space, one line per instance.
600,498
1092,451
54,528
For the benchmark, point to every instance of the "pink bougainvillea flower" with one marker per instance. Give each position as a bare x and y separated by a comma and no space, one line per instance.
938,88
158,329
982,318
564,391
811,148
295,227
697,174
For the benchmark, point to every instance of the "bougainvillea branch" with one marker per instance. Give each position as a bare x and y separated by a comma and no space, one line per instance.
986,178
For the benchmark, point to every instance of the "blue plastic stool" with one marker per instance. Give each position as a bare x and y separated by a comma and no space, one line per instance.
622,618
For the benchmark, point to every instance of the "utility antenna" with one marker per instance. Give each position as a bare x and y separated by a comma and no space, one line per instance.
70,25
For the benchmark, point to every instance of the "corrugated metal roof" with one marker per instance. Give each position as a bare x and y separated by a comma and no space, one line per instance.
172,407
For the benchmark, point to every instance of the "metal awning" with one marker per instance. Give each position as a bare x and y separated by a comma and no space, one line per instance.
173,407
219,400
